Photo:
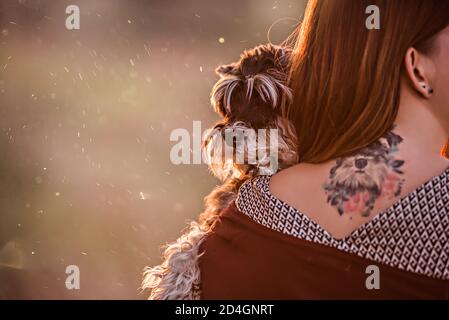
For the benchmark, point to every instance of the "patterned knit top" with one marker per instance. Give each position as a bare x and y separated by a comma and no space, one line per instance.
411,235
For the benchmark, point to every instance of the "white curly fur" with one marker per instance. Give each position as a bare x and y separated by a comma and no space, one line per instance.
177,278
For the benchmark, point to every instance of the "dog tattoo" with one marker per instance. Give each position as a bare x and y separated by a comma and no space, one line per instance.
356,182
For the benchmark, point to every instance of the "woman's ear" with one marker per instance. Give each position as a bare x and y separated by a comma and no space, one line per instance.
417,68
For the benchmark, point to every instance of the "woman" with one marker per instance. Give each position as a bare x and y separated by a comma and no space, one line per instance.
365,213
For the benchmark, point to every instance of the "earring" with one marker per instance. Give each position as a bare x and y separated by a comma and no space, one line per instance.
430,90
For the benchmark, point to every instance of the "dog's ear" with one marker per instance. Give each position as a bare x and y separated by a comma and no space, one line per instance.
379,148
339,162
393,139
334,168
227,69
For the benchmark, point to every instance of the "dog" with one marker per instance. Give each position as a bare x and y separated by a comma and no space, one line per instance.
248,95
357,181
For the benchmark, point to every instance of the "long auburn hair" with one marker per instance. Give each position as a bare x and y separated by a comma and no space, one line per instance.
345,78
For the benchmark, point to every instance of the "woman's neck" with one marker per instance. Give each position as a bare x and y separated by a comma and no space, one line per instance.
420,129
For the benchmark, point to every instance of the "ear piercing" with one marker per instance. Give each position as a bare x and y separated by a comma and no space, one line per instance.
430,90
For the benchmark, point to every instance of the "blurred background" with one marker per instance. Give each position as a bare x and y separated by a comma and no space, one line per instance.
85,119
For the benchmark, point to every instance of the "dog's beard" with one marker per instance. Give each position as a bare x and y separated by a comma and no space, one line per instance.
369,178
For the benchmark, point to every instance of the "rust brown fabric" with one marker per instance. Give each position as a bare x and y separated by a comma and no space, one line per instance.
245,260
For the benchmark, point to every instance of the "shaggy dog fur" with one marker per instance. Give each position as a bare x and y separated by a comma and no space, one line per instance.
248,95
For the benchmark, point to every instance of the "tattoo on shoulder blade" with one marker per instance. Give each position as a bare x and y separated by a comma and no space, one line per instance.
356,182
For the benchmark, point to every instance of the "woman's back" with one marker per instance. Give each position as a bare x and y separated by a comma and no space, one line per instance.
313,230
263,248
343,194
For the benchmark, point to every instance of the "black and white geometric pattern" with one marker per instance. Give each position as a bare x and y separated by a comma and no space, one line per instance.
411,235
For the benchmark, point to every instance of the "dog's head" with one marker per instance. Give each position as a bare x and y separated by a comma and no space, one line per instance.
361,172
368,168
251,89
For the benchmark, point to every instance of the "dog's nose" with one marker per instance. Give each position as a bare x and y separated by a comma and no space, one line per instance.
361,163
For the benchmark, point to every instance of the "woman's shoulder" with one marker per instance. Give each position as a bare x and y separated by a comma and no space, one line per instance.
344,194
